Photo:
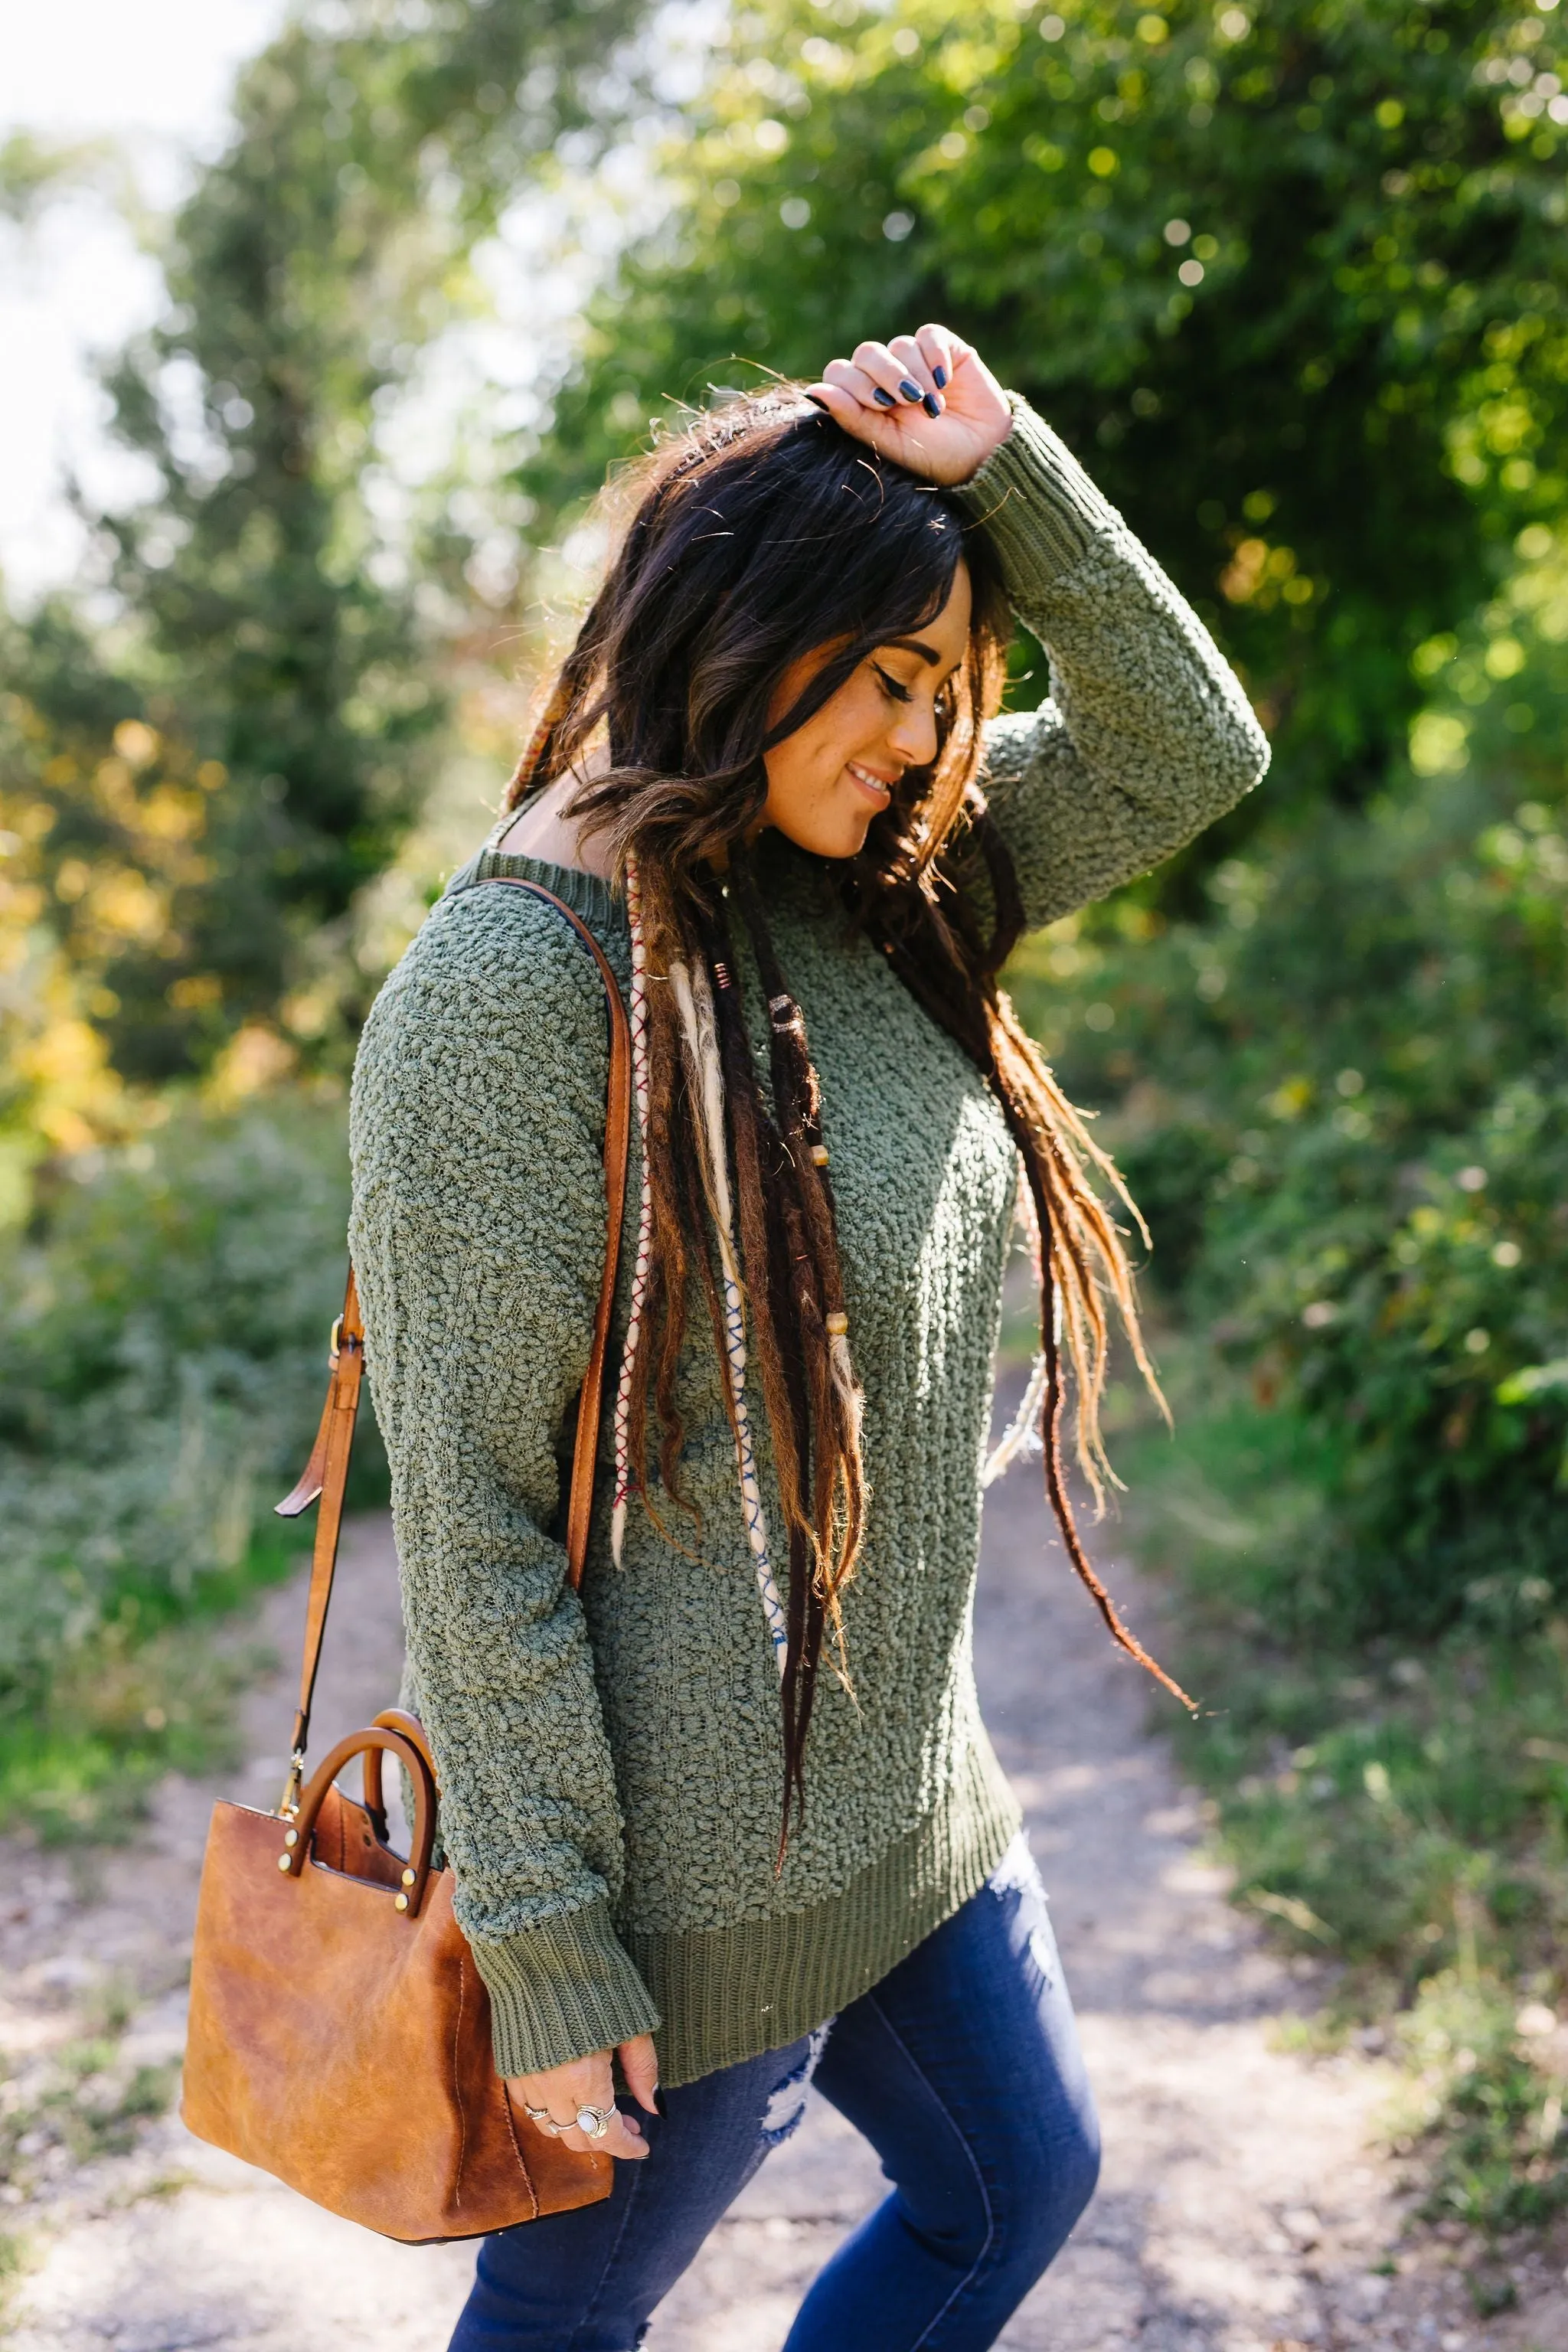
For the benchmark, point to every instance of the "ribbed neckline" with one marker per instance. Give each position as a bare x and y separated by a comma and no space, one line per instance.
601,908
781,869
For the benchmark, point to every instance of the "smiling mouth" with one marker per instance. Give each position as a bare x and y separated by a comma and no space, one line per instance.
876,788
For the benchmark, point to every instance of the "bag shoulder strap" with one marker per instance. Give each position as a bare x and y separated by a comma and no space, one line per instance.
325,1474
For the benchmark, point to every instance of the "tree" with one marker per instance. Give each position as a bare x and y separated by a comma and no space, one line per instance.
1294,283
272,645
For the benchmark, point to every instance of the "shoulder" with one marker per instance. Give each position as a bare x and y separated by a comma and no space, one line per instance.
492,964
495,1016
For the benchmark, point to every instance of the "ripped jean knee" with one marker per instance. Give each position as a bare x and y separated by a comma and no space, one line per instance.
786,2100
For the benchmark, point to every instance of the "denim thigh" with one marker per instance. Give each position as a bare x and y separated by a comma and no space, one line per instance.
962,2069
588,2281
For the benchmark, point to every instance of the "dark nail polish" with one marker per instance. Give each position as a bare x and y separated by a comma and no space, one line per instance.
939,377
932,404
910,391
885,397
659,2106
817,402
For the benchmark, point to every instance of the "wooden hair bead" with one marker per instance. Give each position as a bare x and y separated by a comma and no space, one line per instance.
819,1154
837,1323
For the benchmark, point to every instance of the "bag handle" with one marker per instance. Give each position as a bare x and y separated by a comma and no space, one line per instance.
325,1474
370,1743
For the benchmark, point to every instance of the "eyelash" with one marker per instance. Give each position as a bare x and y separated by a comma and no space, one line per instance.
890,687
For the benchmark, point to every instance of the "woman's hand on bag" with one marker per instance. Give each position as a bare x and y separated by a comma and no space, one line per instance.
589,2083
927,401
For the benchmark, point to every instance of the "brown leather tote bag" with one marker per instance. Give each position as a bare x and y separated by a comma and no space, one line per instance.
339,2032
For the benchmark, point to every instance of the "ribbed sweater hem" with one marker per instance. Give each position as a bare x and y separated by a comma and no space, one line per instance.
561,1991
727,1994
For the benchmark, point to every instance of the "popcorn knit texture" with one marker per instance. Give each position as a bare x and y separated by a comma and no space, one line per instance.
611,1765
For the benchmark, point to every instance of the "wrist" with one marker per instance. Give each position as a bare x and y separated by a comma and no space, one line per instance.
1003,435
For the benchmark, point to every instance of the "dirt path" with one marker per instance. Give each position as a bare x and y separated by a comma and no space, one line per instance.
1245,2205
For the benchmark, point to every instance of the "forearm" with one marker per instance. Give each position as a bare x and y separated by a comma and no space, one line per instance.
1148,736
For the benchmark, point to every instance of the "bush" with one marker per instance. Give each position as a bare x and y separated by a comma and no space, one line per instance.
1343,1096
161,1356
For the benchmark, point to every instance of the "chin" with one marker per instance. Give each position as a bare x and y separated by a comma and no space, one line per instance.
844,838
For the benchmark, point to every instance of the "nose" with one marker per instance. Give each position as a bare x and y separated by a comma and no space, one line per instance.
913,735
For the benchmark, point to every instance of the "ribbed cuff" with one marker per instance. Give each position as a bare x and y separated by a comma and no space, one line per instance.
561,1990
1037,502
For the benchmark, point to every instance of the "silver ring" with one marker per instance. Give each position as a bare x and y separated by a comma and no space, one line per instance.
593,2121
542,2120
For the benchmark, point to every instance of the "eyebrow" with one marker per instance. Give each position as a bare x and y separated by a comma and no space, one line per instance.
914,646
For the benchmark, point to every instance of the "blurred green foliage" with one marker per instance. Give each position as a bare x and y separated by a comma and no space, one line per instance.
1342,1097
1340,1092
161,1356
1290,281
207,751
275,641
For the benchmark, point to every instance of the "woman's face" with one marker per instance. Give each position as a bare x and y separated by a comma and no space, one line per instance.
834,774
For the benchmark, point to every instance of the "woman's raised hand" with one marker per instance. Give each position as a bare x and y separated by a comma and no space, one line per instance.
554,2100
927,401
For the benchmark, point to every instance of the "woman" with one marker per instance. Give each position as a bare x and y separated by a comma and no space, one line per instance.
731,1816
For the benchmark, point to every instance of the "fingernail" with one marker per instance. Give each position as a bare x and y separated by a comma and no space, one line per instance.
885,397
932,404
939,377
910,391
817,402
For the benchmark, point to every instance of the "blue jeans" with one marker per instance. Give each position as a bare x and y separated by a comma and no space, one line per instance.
962,2070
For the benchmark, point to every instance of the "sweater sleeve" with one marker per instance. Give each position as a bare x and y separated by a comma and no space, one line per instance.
477,1236
1148,736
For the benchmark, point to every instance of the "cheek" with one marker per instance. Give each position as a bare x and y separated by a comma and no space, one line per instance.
812,760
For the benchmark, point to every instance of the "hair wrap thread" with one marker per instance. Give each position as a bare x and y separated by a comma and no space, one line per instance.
695,1005
637,1024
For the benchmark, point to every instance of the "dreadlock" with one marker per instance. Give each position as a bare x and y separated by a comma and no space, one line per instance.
761,533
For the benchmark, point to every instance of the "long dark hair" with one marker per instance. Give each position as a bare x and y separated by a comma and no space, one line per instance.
761,533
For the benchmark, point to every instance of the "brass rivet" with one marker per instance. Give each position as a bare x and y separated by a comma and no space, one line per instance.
400,1902
408,1878
290,1837
285,1861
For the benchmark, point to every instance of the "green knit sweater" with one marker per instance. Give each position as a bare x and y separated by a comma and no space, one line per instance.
610,1764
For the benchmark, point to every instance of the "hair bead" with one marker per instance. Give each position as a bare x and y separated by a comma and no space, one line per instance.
837,1323
819,1154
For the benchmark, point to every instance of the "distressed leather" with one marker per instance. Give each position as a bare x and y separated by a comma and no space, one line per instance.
345,2046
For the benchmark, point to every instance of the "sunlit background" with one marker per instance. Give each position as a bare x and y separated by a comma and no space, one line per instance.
319,328
148,89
